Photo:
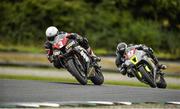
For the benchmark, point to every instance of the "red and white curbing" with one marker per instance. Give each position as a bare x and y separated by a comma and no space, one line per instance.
59,104
100,102
49,105
27,105
124,103
173,102
37,105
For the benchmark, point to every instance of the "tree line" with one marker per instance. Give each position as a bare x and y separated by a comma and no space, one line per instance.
104,22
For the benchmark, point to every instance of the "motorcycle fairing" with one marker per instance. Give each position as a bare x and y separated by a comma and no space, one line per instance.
130,53
60,41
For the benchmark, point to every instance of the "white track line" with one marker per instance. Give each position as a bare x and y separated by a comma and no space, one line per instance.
49,104
123,102
101,102
28,105
173,102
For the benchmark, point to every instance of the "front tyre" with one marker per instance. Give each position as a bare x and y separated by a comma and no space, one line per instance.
98,79
73,69
147,77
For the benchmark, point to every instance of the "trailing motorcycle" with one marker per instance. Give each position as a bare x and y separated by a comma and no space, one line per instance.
76,60
140,65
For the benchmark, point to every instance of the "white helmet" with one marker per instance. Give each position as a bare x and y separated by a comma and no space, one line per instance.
51,32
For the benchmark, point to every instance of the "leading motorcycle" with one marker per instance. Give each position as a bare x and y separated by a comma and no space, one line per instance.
76,60
141,65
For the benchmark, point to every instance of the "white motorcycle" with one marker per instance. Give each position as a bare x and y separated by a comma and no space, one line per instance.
142,66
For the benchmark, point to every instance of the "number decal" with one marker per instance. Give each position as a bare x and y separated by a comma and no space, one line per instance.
60,44
130,53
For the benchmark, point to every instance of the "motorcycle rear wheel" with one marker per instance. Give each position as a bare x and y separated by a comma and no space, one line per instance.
98,79
162,83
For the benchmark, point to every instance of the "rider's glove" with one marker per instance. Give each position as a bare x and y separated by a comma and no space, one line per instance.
122,69
151,50
47,45
50,58
146,49
123,65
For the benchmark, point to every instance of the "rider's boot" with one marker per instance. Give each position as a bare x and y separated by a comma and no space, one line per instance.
162,66
94,57
159,67
161,74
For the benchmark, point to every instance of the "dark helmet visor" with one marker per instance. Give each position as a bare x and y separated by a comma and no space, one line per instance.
51,38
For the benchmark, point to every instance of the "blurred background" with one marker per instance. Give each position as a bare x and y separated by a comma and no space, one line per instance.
155,23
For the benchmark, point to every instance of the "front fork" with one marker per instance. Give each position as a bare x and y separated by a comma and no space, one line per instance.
84,58
135,73
154,69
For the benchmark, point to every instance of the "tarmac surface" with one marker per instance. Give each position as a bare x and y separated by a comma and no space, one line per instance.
37,91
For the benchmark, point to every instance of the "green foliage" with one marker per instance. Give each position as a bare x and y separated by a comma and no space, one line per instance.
145,32
104,22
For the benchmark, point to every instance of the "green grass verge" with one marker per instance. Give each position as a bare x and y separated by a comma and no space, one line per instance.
29,77
68,80
21,48
167,55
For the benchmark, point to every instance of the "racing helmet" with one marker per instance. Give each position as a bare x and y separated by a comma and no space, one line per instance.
51,32
121,47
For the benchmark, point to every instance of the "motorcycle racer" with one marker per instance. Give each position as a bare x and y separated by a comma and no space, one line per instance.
52,32
120,58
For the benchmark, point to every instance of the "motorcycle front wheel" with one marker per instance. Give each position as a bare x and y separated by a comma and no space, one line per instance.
74,70
147,77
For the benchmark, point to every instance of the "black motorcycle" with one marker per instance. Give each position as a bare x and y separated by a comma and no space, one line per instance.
77,60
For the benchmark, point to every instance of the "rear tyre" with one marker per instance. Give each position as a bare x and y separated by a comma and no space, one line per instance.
98,79
162,83
147,77
75,72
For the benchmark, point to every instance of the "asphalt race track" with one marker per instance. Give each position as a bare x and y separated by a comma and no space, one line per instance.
37,91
